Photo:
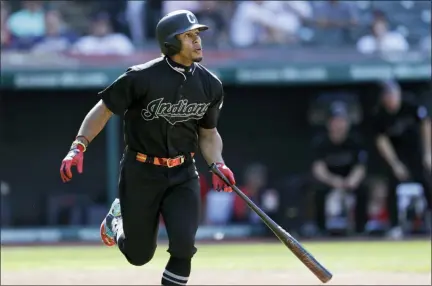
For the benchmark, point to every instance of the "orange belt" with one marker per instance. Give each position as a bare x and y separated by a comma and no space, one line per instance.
166,162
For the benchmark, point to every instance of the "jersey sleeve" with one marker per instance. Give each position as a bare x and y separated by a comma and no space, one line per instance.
119,95
210,119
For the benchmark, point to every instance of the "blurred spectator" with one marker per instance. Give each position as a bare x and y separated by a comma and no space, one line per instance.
255,182
135,11
210,13
29,21
219,208
335,20
340,165
6,36
57,37
296,12
425,44
381,39
141,18
264,22
377,211
170,6
102,40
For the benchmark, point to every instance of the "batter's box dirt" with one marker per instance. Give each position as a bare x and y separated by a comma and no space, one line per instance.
205,277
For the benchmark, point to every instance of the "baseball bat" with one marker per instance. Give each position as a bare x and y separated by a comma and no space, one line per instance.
296,248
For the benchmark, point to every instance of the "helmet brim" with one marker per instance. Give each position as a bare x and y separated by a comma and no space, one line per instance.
200,27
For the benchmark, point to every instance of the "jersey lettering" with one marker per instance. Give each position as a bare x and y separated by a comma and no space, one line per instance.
179,112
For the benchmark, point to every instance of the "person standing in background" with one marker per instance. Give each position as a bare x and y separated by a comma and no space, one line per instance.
403,138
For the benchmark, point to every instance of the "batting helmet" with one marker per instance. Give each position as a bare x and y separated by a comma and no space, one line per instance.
173,24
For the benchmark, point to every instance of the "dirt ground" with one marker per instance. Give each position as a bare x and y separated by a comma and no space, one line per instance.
152,277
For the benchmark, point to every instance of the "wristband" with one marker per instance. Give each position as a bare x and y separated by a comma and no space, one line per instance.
78,144
85,138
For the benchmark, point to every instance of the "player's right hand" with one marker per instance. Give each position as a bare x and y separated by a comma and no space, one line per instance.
400,171
75,157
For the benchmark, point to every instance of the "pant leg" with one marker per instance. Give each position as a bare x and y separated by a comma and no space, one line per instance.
361,208
391,199
421,176
141,189
181,213
320,216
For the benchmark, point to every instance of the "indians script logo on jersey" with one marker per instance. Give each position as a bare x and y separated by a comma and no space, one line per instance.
173,113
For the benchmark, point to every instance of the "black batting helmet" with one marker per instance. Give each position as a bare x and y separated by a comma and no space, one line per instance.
173,24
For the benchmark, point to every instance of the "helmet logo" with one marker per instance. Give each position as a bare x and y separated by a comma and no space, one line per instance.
191,17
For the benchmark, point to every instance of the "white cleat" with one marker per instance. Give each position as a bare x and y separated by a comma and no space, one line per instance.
110,224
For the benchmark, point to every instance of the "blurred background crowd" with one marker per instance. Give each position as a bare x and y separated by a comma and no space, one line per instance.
124,28
121,27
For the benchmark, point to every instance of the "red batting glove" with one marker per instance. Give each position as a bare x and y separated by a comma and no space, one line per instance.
75,157
218,183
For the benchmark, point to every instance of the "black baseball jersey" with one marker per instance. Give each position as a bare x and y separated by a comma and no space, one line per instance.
164,104
402,127
342,157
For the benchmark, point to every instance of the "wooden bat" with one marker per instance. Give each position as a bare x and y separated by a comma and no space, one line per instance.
302,254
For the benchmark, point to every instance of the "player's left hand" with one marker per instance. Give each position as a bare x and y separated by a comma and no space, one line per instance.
74,157
218,183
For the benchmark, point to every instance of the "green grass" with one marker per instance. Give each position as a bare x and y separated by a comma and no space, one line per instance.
409,256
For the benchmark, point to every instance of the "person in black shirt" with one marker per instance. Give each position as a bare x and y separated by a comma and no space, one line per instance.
171,107
403,138
340,165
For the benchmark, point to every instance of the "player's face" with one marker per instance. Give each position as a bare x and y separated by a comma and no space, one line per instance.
338,126
391,99
191,46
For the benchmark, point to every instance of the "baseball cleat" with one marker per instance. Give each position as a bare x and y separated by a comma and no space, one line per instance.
110,224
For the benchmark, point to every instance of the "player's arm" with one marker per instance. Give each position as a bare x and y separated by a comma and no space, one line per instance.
210,142
211,145
426,136
321,172
358,172
115,99
93,123
356,175
387,150
423,117
209,139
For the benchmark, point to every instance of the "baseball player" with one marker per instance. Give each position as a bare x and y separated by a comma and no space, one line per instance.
403,138
171,107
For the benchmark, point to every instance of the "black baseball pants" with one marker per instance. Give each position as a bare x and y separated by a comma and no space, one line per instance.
146,192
